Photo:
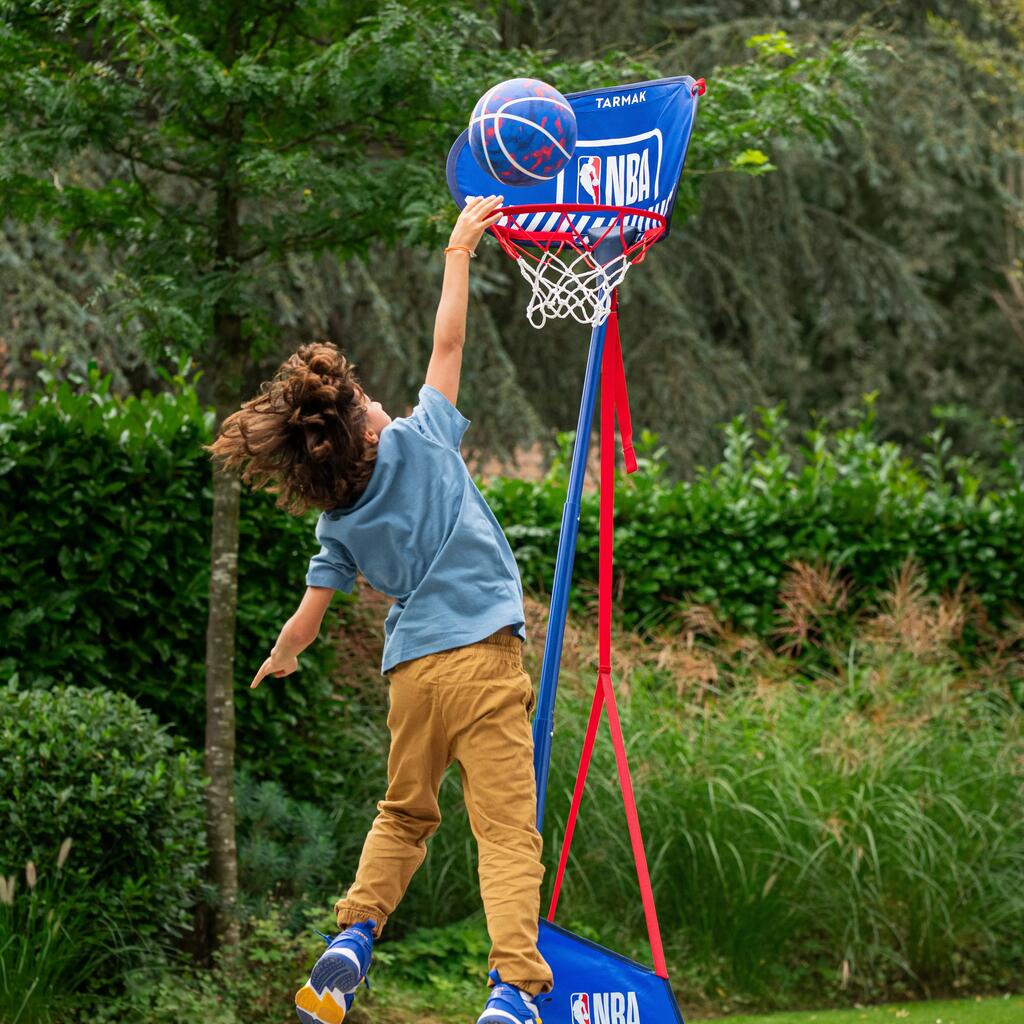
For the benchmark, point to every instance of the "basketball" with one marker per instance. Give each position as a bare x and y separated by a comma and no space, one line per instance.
522,132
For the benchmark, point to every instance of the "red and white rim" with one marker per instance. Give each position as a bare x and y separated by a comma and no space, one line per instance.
549,227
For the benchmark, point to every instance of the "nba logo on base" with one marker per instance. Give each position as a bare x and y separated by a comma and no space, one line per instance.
604,1008
629,177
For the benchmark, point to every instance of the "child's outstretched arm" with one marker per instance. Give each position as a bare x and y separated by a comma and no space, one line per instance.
296,635
445,366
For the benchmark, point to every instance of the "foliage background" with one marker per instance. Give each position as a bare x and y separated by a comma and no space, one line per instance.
114,547
823,719
871,259
823,701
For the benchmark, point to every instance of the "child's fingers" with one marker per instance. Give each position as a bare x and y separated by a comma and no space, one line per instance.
486,209
479,203
260,675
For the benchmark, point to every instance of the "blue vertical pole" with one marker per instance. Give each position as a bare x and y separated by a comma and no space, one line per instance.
544,722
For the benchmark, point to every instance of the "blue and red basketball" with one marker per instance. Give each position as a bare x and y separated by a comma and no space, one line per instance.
522,132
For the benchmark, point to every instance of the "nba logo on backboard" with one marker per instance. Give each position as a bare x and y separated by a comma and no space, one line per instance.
618,172
579,1003
604,1008
589,180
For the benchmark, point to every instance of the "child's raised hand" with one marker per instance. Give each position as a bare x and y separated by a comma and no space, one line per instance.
476,217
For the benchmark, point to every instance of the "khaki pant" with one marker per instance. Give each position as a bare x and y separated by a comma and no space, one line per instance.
471,705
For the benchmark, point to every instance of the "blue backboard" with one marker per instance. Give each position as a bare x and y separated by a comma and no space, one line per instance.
632,142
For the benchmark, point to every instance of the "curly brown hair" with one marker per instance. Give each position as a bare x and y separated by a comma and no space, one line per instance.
303,436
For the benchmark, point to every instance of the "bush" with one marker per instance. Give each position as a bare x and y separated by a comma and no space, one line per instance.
105,508
726,538
285,849
94,766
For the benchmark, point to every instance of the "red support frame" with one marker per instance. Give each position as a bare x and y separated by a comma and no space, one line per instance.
614,401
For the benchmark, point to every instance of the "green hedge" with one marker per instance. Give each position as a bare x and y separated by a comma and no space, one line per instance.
104,533
92,766
105,511
847,499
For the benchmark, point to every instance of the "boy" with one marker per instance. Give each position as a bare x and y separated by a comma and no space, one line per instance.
398,504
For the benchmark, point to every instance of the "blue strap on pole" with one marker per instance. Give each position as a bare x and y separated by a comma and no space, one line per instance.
544,721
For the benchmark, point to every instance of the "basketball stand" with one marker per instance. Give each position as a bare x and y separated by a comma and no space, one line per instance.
575,255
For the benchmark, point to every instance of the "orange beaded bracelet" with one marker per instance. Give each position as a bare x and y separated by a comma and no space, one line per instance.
460,248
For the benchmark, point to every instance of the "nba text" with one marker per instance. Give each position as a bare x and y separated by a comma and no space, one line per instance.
604,1008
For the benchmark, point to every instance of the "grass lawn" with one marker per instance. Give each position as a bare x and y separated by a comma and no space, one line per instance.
999,1010
403,1005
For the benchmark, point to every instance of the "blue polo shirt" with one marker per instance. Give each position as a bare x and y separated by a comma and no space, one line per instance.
422,533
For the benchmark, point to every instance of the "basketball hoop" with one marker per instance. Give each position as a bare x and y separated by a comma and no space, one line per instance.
575,255
631,142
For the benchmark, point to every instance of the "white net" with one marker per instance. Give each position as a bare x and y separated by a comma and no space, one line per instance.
570,283
574,260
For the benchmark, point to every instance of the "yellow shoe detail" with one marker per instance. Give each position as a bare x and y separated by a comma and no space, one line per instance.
330,1012
324,1008
306,999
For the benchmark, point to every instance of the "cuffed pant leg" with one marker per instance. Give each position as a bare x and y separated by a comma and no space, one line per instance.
488,713
409,814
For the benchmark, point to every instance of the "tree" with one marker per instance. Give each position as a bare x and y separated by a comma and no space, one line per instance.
205,145
866,261
998,60
201,145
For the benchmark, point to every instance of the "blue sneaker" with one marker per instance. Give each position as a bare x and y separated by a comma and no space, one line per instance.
508,1003
328,995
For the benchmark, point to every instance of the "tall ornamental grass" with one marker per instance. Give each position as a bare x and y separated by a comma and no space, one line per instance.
852,831
52,941
797,831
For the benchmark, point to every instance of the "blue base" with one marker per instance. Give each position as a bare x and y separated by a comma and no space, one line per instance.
616,990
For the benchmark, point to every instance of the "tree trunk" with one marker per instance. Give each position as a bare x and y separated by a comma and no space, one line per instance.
220,705
226,364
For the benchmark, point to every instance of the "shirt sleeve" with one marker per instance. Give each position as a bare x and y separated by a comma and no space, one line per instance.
334,566
435,417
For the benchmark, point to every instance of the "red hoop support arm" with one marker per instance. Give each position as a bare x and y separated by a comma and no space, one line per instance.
613,355
614,399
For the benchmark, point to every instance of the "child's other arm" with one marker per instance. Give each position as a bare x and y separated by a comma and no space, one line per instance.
445,366
296,635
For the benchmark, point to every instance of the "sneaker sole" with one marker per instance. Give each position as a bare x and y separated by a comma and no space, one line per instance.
337,970
313,1009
